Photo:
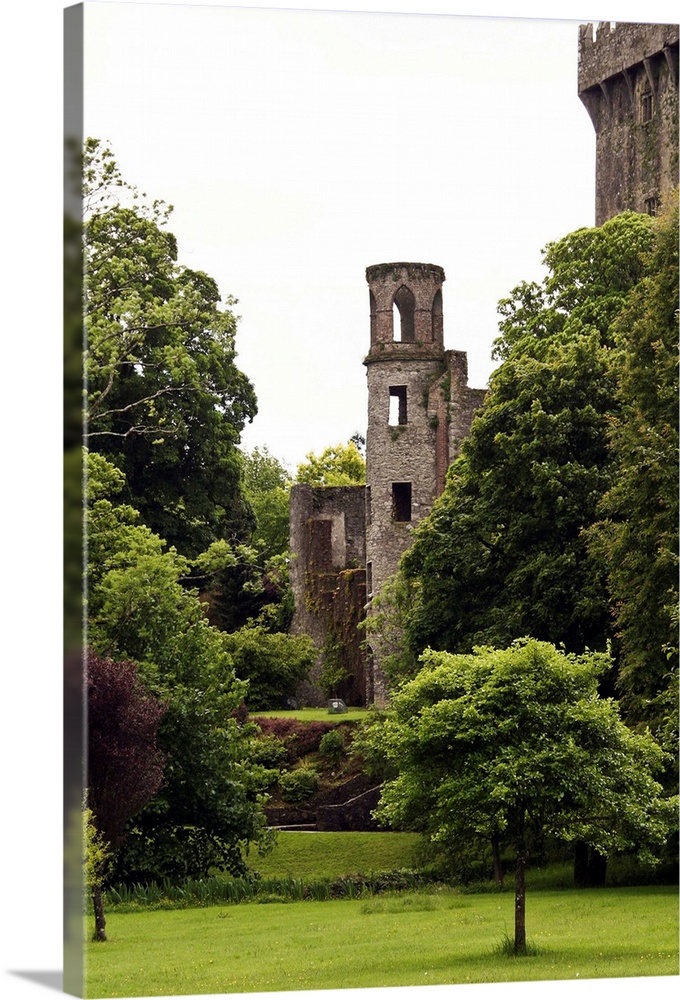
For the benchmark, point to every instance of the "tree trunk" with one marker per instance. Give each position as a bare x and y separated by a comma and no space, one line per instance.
580,864
99,918
520,890
496,852
597,870
590,867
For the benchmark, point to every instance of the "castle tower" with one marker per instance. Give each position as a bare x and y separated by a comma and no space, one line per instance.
628,82
405,451
346,542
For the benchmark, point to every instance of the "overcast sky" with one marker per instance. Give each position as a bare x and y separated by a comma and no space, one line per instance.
299,147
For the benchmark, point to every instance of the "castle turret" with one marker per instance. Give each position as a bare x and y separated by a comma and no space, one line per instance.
628,82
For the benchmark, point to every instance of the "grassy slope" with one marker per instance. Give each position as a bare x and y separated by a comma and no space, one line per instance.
385,941
321,855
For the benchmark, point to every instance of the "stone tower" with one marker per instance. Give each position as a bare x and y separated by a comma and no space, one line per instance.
628,82
419,410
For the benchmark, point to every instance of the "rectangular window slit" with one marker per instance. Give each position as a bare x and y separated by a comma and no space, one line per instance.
397,414
401,501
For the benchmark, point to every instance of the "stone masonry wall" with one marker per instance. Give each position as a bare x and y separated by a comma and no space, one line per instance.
628,82
328,578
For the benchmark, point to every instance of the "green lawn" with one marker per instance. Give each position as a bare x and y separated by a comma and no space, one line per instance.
314,715
414,939
332,855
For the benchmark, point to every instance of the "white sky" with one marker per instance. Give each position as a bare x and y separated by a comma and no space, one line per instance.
31,69
298,147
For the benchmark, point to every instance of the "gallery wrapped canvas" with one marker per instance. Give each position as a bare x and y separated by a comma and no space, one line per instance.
370,439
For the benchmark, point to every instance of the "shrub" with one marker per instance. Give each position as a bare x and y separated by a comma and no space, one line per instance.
298,785
300,738
332,745
268,750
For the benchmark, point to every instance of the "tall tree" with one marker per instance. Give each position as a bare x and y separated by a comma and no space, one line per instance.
503,552
209,808
165,399
124,764
516,744
638,535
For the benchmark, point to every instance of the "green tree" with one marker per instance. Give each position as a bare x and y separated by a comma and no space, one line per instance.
273,663
267,483
337,465
503,552
209,808
638,535
516,744
165,400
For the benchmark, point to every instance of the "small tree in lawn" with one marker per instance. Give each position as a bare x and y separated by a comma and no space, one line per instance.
517,744
124,766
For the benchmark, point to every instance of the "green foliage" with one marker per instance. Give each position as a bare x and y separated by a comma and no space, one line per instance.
273,663
332,746
638,535
517,743
267,485
512,746
165,400
298,785
97,861
505,551
268,750
209,805
300,738
337,465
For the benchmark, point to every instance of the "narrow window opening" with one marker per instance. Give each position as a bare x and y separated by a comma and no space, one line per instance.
397,405
646,106
401,501
404,316
652,206
369,579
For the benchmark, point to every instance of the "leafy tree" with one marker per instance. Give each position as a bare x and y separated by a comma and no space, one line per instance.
503,552
274,663
638,535
267,483
165,399
124,764
337,465
242,586
209,808
516,744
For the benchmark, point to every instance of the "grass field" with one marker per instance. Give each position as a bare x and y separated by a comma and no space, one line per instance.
314,715
401,940
332,855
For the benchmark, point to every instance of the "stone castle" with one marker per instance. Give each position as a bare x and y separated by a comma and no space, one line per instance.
347,541
628,82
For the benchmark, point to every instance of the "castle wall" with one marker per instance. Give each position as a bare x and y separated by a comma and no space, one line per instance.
328,579
628,82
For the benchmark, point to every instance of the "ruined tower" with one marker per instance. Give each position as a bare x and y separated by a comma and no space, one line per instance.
628,82
419,410
346,542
